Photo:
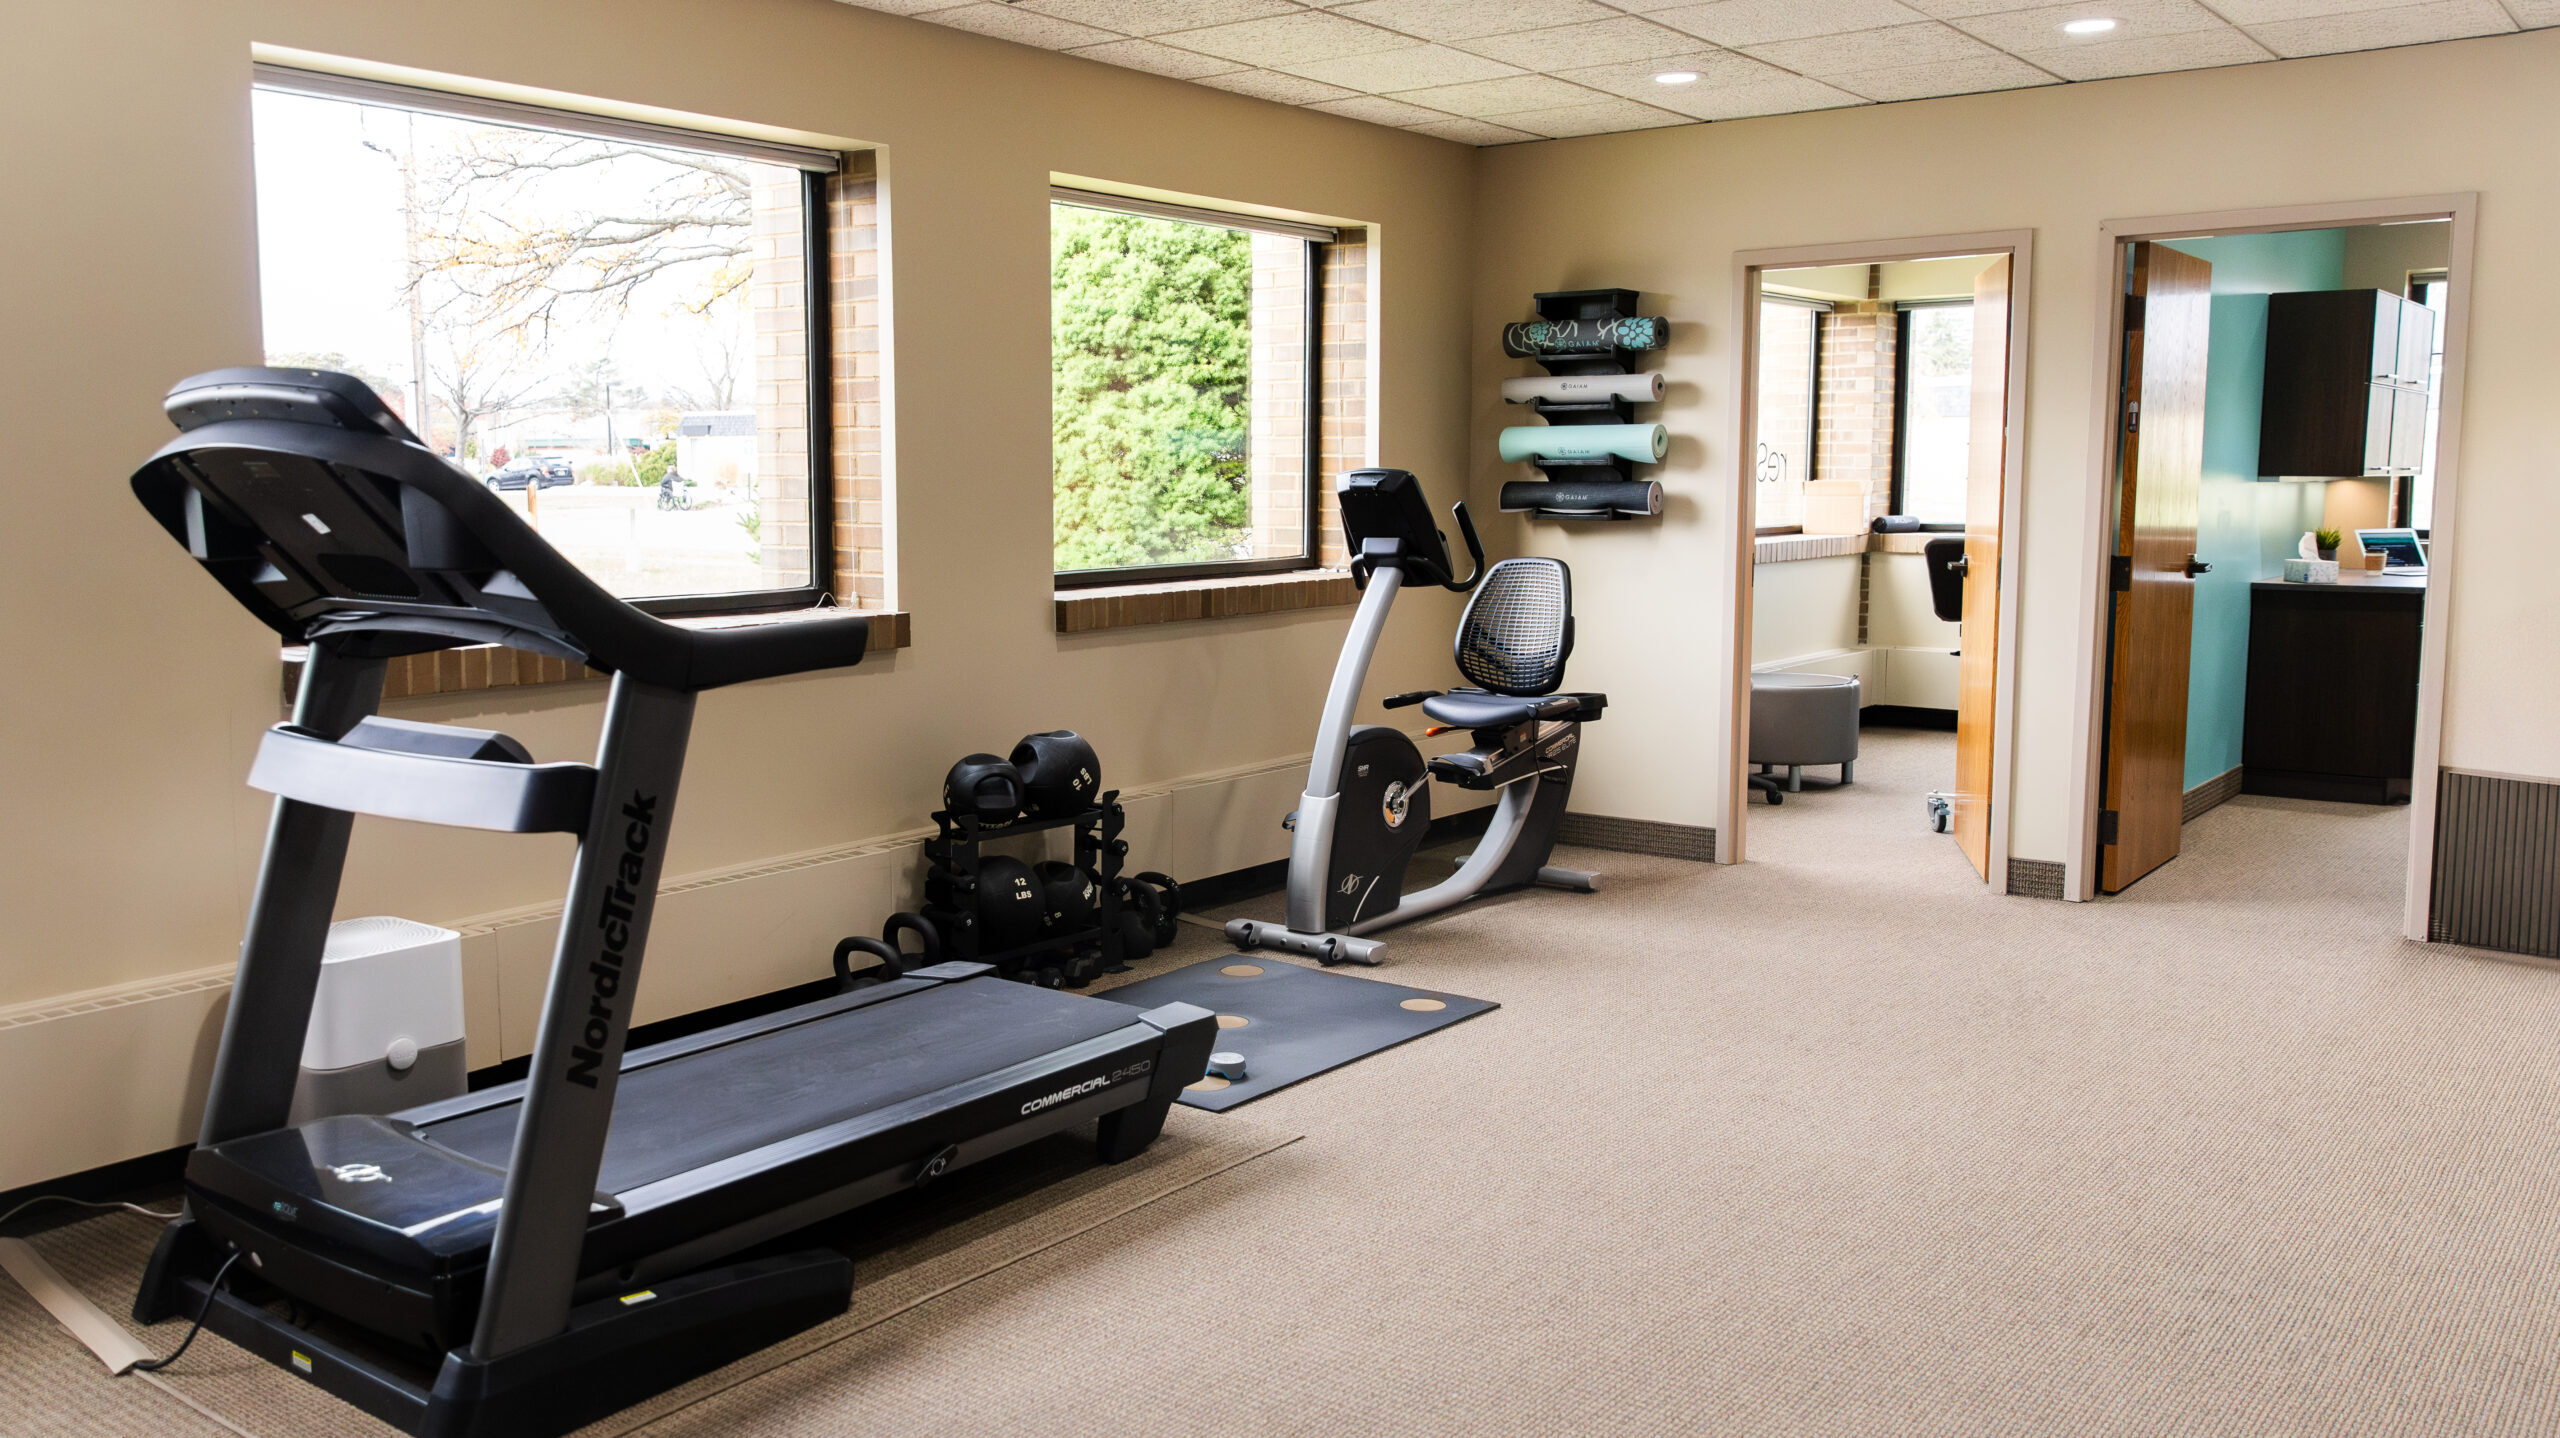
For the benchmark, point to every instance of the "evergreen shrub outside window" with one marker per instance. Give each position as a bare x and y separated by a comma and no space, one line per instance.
1180,358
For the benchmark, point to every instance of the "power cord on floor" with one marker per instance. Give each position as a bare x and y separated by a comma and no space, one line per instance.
154,1365
85,1203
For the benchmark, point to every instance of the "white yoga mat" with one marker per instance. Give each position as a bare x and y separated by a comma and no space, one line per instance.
1582,388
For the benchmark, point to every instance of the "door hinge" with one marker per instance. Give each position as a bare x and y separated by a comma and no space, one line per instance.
2106,826
2120,573
2133,416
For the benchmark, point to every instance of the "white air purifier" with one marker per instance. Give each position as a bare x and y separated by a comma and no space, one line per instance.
386,1024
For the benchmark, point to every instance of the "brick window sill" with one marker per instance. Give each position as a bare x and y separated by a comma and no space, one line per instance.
1129,606
1782,548
474,667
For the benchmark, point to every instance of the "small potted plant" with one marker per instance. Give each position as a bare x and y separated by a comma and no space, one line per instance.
2327,540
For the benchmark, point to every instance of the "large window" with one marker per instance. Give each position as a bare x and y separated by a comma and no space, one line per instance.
611,325
1933,420
1789,397
2418,497
1184,366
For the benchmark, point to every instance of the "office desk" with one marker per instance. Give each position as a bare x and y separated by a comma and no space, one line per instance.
2332,708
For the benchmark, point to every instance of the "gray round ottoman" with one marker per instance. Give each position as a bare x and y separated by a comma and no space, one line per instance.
1800,719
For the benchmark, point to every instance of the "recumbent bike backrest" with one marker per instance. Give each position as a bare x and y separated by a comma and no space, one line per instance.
1518,628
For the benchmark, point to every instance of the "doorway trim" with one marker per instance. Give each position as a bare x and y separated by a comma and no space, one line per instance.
1734,561
2080,866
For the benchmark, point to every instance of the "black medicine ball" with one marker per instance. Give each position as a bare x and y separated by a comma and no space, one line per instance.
1060,773
1011,910
1069,896
986,786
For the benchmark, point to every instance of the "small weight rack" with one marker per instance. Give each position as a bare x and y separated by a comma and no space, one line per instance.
1585,306
1074,958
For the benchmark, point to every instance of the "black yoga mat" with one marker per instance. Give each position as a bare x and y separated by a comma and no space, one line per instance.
1292,1023
1528,339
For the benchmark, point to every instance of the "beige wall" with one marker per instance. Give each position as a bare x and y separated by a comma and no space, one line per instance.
138,692
2060,161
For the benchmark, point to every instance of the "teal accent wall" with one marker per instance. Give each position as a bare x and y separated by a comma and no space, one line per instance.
2245,529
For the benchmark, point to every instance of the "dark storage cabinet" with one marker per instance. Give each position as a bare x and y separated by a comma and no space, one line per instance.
2346,385
2332,708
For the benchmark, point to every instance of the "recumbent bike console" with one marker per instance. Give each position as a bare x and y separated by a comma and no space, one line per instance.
538,1254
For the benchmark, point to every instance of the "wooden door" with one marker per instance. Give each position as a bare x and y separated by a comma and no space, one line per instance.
2168,328
1985,457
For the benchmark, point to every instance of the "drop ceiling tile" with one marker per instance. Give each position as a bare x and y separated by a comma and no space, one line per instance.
2535,14
1466,19
1379,110
1782,94
1155,17
1759,22
1023,27
2266,12
1958,9
1272,85
1598,43
1290,39
1157,59
1715,69
1600,117
1865,50
2041,27
1487,98
905,7
1408,69
2375,29
2196,50
1945,77
1472,132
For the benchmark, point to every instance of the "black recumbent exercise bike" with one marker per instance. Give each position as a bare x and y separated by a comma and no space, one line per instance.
1367,804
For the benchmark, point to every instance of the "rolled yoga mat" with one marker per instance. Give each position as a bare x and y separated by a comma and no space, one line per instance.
1643,443
1529,339
1584,496
1582,388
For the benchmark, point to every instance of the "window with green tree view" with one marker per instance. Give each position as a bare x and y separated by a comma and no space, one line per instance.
1181,355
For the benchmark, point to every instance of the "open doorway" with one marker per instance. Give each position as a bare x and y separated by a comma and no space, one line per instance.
1879,400
2270,628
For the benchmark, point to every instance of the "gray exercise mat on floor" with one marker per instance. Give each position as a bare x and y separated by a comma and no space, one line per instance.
1299,1022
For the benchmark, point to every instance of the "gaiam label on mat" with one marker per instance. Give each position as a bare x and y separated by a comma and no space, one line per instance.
1098,1081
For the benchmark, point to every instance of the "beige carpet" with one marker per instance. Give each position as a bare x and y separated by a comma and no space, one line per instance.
906,1252
1832,1143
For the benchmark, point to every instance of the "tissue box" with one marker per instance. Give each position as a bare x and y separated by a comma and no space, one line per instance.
2311,571
1835,506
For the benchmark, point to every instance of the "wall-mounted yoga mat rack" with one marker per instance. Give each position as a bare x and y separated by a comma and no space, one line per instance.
1592,344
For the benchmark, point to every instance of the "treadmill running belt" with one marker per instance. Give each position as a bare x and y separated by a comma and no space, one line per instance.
687,1113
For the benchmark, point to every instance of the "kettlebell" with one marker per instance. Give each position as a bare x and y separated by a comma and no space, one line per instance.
1069,896
985,786
1060,773
1167,914
1140,906
926,934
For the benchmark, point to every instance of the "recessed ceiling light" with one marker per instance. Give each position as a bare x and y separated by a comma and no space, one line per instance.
1676,77
2088,27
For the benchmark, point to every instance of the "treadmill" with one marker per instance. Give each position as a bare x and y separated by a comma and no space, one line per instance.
554,1249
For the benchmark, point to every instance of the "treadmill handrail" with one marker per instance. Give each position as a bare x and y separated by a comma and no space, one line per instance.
555,798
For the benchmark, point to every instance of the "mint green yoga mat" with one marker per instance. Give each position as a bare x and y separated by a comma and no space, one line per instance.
1643,443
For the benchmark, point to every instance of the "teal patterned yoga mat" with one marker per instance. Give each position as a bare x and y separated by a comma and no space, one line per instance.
1529,339
1643,443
